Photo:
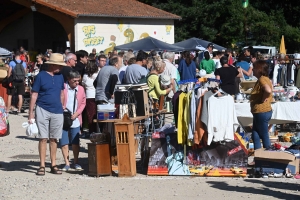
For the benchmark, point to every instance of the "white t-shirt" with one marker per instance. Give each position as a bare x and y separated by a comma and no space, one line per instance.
88,83
170,70
217,63
221,119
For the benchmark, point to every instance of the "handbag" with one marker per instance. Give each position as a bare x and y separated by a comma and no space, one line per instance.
6,82
68,114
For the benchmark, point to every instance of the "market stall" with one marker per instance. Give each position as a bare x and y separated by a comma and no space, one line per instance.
283,112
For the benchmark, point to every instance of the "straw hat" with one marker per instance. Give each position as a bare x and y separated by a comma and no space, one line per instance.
56,59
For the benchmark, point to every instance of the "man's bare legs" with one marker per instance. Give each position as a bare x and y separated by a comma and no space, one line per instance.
42,151
20,103
53,149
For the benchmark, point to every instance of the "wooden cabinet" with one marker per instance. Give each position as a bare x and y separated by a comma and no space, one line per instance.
99,159
125,148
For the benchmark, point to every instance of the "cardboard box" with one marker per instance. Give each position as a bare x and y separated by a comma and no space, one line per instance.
275,161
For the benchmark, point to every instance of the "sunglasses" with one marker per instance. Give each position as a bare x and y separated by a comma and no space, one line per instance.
74,81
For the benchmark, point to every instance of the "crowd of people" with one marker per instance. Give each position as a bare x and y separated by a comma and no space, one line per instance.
79,81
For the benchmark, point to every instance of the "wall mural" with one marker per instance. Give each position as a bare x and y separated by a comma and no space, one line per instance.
168,29
120,32
112,45
129,34
91,40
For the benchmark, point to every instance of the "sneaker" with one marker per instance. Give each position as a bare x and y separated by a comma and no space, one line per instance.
66,168
77,167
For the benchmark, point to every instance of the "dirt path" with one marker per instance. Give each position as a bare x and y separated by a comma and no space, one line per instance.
19,161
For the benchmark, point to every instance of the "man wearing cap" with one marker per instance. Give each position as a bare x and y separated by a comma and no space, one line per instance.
209,48
48,96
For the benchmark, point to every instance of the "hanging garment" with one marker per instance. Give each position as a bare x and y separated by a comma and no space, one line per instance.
293,67
221,118
288,72
192,113
175,103
181,126
204,113
199,127
275,74
297,57
187,119
283,77
298,79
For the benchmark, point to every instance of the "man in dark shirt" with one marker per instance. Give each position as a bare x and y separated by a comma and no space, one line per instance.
82,59
71,61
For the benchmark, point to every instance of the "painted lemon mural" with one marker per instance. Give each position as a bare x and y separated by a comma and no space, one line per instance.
110,48
144,35
129,34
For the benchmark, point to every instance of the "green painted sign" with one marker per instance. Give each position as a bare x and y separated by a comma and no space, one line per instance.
245,3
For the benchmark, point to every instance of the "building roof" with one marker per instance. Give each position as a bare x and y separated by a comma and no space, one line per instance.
107,8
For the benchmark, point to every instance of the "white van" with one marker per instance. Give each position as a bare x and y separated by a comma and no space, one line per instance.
272,51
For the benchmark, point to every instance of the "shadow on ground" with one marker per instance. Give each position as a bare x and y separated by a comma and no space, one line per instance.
276,184
266,191
27,138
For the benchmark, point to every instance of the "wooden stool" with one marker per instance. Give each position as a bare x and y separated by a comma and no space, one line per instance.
99,159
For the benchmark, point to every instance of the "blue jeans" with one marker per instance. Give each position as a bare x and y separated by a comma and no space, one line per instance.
260,129
74,137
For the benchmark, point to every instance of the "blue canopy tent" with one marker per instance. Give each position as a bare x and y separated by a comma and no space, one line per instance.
4,52
196,44
148,44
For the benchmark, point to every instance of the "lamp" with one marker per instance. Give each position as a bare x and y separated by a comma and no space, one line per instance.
33,8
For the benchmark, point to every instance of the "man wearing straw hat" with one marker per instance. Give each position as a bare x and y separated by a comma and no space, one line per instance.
48,96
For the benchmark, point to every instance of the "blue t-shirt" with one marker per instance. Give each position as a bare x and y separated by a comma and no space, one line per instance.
12,64
245,66
185,71
49,89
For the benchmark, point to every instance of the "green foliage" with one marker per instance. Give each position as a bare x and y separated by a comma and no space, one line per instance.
227,23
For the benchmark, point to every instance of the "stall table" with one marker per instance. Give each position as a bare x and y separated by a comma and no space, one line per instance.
283,112
125,142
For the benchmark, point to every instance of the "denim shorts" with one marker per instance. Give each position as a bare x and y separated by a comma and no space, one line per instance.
74,137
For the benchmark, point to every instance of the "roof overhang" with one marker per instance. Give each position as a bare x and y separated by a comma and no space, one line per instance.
122,16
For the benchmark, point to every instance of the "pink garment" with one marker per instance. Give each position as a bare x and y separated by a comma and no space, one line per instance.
81,99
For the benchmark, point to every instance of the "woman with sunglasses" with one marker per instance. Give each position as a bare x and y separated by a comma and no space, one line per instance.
74,101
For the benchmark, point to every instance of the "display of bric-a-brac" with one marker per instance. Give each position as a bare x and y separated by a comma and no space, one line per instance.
105,34
167,157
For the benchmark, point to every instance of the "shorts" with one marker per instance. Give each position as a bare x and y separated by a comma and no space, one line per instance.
49,124
74,134
17,86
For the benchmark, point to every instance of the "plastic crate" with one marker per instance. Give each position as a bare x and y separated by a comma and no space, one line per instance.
105,115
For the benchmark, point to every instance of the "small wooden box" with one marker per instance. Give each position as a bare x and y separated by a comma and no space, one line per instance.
99,159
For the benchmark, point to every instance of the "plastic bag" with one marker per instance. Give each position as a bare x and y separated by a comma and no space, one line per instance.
3,119
31,129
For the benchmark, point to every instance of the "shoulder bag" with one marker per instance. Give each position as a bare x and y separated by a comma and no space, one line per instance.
67,116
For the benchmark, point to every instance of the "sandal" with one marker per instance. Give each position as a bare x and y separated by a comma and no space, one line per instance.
55,170
40,171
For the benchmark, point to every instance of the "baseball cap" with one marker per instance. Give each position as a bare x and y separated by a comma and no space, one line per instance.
210,45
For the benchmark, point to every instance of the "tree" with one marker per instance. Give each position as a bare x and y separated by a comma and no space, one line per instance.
227,23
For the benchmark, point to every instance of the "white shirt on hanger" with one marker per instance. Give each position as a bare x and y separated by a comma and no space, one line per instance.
221,119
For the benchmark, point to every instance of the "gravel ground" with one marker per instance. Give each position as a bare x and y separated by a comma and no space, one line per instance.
19,162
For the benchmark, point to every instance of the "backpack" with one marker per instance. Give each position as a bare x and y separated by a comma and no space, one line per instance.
19,72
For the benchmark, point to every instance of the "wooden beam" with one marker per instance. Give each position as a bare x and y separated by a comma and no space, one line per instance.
66,19
6,21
